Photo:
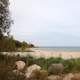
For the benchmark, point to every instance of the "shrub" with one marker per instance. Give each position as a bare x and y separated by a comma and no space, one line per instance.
7,44
7,74
72,65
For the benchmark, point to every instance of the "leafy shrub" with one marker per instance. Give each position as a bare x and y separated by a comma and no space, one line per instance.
7,62
7,44
7,74
72,65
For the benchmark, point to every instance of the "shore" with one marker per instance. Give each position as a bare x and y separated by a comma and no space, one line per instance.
48,54
63,54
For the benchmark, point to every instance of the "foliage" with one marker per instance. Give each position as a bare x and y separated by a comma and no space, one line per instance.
6,68
70,65
7,74
5,19
7,62
7,44
23,45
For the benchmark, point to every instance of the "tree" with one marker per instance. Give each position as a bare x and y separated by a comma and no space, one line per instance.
6,43
5,19
24,45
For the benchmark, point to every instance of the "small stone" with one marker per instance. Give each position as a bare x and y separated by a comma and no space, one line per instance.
76,76
55,77
68,76
20,65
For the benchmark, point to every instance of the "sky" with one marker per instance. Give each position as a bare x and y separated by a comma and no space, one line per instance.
46,22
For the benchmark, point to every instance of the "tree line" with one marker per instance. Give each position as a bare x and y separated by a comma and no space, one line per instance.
8,43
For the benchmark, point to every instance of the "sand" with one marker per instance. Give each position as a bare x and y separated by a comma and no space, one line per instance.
63,54
48,54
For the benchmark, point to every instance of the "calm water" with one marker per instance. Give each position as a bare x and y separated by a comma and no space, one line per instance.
58,48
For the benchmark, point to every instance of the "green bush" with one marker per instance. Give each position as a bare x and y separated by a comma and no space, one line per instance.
6,68
7,74
72,65
7,62
7,44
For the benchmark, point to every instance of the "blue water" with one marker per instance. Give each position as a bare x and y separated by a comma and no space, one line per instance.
58,48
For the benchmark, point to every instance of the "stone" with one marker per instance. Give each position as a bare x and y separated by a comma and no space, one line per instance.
20,65
17,72
55,77
56,68
30,70
68,76
76,76
39,74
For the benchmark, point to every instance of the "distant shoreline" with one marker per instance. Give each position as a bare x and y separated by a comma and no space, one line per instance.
68,49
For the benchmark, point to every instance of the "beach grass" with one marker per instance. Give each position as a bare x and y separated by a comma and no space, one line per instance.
7,63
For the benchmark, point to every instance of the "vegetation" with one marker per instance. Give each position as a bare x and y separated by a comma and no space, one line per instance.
7,43
71,65
5,19
7,65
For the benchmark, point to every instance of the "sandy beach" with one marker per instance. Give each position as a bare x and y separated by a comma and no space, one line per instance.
48,54
63,54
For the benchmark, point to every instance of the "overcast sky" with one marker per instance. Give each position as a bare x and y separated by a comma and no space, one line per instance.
46,22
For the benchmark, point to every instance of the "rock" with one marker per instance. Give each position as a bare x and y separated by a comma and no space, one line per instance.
43,75
55,77
68,76
31,69
35,74
39,74
17,72
20,65
76,76
56,68
16,75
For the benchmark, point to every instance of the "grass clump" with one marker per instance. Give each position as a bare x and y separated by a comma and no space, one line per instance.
6,68
72,65
7,65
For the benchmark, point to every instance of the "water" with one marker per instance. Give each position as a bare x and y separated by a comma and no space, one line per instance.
58,48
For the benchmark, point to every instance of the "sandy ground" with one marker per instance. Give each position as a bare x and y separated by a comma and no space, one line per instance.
48,54
63,54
